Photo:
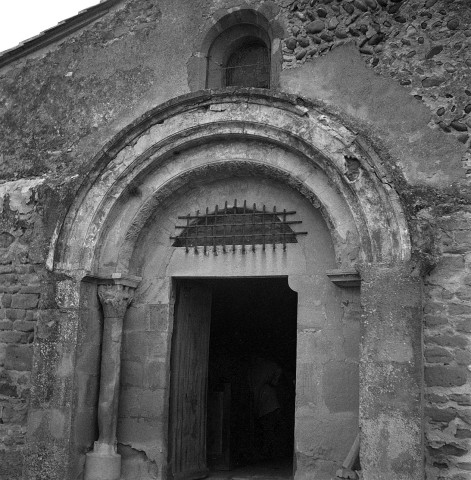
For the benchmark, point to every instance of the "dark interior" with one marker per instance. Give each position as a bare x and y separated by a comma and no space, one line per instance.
252,320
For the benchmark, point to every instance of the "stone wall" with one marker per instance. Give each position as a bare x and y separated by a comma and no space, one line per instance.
423,45
21,269
447,352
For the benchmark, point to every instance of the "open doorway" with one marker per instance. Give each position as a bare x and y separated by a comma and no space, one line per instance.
243,345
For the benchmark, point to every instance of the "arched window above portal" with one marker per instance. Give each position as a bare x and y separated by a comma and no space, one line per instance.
233,41
240,57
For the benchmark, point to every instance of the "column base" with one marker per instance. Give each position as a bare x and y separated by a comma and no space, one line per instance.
102,464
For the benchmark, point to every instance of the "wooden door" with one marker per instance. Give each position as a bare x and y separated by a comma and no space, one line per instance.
188,382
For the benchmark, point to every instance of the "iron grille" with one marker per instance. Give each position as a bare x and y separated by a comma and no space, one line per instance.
248,67
235,225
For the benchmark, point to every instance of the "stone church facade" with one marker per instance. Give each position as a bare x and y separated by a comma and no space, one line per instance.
187,182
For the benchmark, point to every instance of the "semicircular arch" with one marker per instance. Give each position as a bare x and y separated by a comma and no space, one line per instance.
311,150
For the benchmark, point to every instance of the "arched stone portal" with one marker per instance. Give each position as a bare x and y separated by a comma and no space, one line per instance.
201,150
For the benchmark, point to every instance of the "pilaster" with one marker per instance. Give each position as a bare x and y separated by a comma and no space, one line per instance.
391,373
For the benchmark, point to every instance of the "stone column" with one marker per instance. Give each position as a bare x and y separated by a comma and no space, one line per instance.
104,463
391,373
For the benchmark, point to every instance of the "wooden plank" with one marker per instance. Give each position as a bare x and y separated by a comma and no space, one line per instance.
352,454
346,470
188,384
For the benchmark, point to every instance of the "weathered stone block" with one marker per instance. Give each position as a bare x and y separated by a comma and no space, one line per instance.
25,268
449,449
18,357
445,376
8,389
8,278
435,320
25,300
48,324
133,344
158,344
448,340
6,324
463,326
140,402
15,413
24,325
434,398
461,399
455,247
15,313
146,434
464,294
28,279
463,238
445,415
6,300
155,375
31,315
465,415
7,269
459,309
463,357
340,390
449,264
10,336
434,308
159,317
437,355
132,373
463,433
154,344
31,289
67,294
136,318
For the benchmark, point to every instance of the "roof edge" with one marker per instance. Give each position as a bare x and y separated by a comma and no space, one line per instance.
57,33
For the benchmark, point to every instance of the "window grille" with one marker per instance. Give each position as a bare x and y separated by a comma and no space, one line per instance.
248,67
231,226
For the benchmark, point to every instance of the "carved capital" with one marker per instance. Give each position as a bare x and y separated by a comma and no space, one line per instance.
115,299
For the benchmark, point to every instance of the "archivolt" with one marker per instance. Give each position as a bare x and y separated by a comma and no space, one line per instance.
351,172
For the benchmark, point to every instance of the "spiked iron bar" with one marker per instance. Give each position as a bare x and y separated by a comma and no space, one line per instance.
235,225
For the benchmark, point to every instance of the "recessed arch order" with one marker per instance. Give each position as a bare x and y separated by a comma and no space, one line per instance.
310,151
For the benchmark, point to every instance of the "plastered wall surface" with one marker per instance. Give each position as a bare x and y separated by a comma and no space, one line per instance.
398,72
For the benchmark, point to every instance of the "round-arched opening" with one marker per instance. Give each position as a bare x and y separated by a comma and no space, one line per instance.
240,56
248,65
312,156
257,293
186,156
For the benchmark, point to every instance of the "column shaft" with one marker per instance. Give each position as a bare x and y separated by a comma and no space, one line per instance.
109,380
104,463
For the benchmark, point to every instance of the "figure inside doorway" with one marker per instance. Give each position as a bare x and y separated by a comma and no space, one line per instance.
264,376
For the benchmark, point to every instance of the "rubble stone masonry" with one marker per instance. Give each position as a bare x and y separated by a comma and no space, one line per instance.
447,351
